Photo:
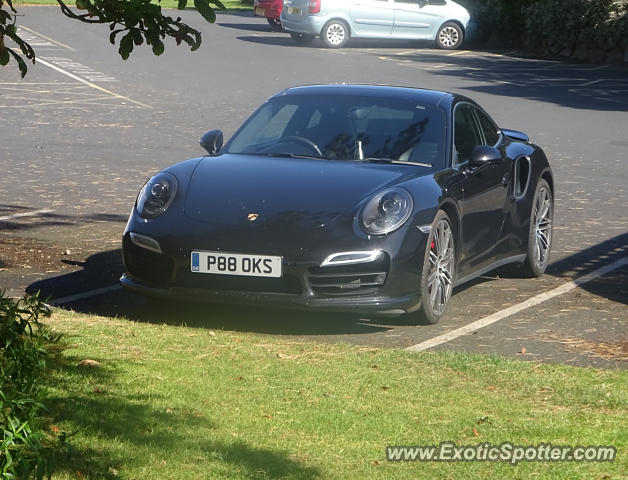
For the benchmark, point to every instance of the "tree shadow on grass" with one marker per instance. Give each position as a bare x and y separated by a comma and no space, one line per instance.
122,426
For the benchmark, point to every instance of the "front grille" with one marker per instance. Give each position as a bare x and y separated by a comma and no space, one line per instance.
146,265
355,279
288,284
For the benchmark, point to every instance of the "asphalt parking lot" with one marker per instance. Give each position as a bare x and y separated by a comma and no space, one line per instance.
85,129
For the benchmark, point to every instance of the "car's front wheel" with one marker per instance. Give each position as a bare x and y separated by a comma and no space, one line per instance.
439,270
540,233
301,38
335,34
449,36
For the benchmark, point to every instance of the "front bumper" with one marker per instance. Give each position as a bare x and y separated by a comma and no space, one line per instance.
387,284
377,305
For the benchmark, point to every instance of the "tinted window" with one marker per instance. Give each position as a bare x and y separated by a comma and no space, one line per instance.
466,133
491,132
344,128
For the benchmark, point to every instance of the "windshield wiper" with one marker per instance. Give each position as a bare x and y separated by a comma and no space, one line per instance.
283,155
392,160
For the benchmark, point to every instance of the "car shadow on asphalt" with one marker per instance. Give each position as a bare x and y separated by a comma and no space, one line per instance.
557,80
249,27
284,39
104,269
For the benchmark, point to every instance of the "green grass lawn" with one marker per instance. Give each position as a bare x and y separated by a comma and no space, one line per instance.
229,4
173,402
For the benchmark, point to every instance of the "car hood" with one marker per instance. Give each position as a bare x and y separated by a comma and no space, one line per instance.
231,190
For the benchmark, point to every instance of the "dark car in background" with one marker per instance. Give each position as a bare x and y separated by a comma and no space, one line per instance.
354,198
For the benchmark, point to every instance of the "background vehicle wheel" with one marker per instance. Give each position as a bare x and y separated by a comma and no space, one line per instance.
301,38
335,34
439,270
275,24
540,235
449,36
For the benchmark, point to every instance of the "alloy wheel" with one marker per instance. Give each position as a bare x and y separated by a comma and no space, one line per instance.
441,267
336,34
448,37
543,227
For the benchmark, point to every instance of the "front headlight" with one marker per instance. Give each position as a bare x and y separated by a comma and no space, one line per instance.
386,211
157,195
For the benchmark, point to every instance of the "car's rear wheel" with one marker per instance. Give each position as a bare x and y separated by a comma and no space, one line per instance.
275,24
449,36
439,270
301,38
335,34
540,233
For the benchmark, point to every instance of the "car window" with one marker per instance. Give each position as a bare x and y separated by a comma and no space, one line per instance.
270,123
466,133
490,131
345,128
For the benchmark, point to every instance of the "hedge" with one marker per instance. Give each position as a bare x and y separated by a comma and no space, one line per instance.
553,26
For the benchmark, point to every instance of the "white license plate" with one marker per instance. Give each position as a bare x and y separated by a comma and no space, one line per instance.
260,11
223,263
294,11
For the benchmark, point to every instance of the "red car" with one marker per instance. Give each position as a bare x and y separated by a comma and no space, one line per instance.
271,9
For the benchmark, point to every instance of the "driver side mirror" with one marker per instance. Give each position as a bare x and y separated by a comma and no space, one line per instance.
212,141
484,155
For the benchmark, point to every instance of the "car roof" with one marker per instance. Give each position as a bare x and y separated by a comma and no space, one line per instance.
425,96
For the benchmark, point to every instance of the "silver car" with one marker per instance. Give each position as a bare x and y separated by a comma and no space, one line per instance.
335,21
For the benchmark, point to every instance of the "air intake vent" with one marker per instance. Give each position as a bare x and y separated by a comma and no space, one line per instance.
357,279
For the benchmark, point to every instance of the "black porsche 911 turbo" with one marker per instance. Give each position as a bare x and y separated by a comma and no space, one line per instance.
358,198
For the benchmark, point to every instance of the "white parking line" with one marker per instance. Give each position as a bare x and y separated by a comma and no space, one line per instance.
88,83
48,39
496,317
81,296
459,52
34,213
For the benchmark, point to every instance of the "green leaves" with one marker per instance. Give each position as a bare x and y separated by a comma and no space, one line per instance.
126,46
205,10
4,56
83,4
23,352
158,47
131,22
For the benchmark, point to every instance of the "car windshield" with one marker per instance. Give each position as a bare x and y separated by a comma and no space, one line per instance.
344,128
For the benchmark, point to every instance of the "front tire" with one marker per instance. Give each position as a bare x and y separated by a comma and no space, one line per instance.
540,233
439,270
301,38
335,34
449,36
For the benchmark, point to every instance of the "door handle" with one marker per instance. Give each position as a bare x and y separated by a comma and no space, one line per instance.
506,178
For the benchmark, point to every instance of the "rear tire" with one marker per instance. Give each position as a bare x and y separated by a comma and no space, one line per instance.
302,38
275,24
335,34
540,233
449,36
